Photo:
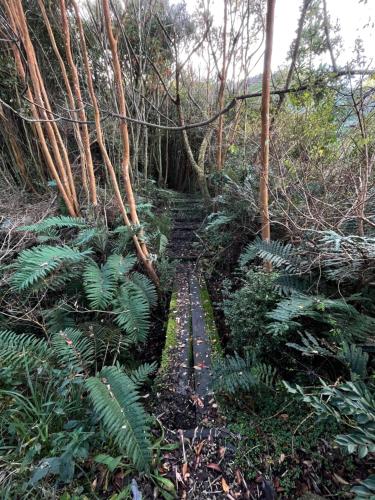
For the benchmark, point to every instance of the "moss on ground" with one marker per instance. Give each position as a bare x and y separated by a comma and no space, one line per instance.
171,334
209,319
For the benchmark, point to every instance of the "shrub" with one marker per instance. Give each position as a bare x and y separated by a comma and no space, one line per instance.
245,312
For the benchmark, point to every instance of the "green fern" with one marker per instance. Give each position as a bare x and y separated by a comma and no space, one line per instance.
73,350
108,338
216,220
310,346
337,314
120,265
36,264
99,284
116,401
276,252
59,317
132,312
145,286
355,359
16,350
54,222
234,373
288,284
142,373
85,236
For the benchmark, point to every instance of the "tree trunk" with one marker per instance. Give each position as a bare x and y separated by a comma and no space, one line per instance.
265,145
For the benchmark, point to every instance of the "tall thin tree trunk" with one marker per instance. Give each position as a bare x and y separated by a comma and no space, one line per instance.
111,171
83,131
265,137
296,45
223,78
17,21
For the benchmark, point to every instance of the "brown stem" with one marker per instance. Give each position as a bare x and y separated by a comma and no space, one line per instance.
265,137
147,263
84,135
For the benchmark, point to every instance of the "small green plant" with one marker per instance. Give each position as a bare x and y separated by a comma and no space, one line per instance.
351,404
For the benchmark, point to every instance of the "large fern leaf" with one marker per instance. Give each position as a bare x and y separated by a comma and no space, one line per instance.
276,252
335,313
142,373
73,349
100,284
54,222
116,400
233,373
20,350
355,359
35,264
145,286
120,265
132,312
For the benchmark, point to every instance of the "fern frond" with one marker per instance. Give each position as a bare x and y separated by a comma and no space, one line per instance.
216,220
288,284
99,284
335,313
145,286
233,373
355,359
85,236
132,312
276,252
142,373
292,307
73,349
35,264
265,374
18,350
120,265
106,337
54,222
310,346
116,401
58,318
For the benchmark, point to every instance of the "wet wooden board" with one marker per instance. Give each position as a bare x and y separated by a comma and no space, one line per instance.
201,346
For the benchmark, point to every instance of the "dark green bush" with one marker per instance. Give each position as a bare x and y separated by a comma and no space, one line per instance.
245,312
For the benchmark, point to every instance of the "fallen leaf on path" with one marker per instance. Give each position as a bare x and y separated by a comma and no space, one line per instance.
214,467
238,477
224,485
198,448
185,471
339,479
197,401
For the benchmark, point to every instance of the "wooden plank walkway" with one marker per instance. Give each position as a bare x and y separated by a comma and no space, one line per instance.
191,363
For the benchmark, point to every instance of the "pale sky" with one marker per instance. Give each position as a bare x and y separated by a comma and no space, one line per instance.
351,15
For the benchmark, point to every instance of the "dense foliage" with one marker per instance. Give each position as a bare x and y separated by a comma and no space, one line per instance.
108,109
